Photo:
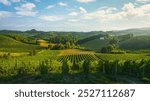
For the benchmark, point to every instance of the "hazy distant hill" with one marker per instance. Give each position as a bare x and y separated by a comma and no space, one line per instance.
136,31
44,34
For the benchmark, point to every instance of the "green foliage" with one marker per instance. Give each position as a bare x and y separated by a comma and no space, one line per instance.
114,41
8,44
22,38
32,53
50,46
124,37
122,57
82,41
63,39
65,67
43,68
86,67
136,43
95,44
107,49
78,58
58,47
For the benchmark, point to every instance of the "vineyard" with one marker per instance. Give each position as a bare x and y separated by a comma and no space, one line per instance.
49,65
78,58
123,57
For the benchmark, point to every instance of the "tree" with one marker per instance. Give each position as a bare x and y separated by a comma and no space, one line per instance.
113,41
107,49
50,46
59,46
67,44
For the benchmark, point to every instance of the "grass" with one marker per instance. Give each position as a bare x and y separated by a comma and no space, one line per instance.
122,56
14,54
8,44
95,45
136,43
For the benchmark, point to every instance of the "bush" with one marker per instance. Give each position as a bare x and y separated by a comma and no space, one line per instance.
65,67
86,67
43,68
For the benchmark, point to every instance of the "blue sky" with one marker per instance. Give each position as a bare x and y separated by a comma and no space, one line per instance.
74,15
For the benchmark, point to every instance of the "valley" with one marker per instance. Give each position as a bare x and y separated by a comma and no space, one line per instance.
74,57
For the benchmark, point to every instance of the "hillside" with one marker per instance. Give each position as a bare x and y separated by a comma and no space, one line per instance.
95,44
135,31
46,34
135,43
80,35
127,42
9,44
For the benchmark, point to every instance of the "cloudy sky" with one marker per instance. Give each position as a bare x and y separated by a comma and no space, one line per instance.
74,15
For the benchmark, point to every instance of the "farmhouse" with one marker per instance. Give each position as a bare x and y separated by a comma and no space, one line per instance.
102,38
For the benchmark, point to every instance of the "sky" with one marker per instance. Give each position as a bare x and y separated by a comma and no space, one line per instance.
74,15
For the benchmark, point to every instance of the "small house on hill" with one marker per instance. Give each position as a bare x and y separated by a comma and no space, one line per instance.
102,38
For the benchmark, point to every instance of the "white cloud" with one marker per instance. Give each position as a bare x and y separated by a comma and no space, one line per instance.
104,15
73,14
62,4
85,1
27,6
26,9
51,18
129,11
141,11
145,8
5,14
50,6
26,13
5,2
73,20
83,10
143,0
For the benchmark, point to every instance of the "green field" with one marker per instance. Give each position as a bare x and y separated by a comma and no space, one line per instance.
133,43
95,44
8,44
123,56
63,60
136,43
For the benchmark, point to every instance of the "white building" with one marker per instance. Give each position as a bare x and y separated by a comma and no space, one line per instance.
102,38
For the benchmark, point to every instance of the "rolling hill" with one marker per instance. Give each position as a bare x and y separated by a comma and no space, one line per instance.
134,31
131,43
136,43
95,44
9,44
